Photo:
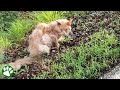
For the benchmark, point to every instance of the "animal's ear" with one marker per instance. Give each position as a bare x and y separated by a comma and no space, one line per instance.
69,19
69,23
58,23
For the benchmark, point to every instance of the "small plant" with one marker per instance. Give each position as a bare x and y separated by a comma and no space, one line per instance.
75,13
1,55
4,42
6,17
47,16
1,67
18,29
66,39
87,60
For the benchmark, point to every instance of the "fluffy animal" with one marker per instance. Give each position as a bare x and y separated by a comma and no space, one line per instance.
43,37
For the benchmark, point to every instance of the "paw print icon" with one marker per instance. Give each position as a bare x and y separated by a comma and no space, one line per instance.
7,71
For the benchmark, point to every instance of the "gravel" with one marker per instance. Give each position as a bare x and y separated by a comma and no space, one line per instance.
112,74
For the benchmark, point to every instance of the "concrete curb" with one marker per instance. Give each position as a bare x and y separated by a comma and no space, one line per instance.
113,74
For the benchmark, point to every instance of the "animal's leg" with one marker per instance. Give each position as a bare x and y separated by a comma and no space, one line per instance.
55,41
41,63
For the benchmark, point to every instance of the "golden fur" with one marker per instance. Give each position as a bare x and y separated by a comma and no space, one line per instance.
42,39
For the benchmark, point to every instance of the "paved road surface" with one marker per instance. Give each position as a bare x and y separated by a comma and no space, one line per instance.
113,74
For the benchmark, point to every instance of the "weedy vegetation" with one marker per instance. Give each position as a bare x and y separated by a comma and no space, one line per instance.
87,60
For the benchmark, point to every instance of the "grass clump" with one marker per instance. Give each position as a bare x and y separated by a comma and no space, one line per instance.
88,60
6,17
4,44
47,16
1,55
4,41
20,26
18,29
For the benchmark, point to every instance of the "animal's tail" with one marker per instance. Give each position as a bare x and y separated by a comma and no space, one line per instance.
28,60
20,62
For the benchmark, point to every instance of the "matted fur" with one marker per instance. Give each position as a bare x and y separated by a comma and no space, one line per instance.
42,39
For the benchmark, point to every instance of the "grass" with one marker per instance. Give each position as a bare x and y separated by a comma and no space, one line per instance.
18,26
1,55
47,16
1,66
75,13
81,62
6,17
18,29
4,44
4,41
87,60
66,39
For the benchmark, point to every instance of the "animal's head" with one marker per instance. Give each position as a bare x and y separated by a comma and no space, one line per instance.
65,26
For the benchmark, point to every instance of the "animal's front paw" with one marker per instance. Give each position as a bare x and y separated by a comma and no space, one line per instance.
46,68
